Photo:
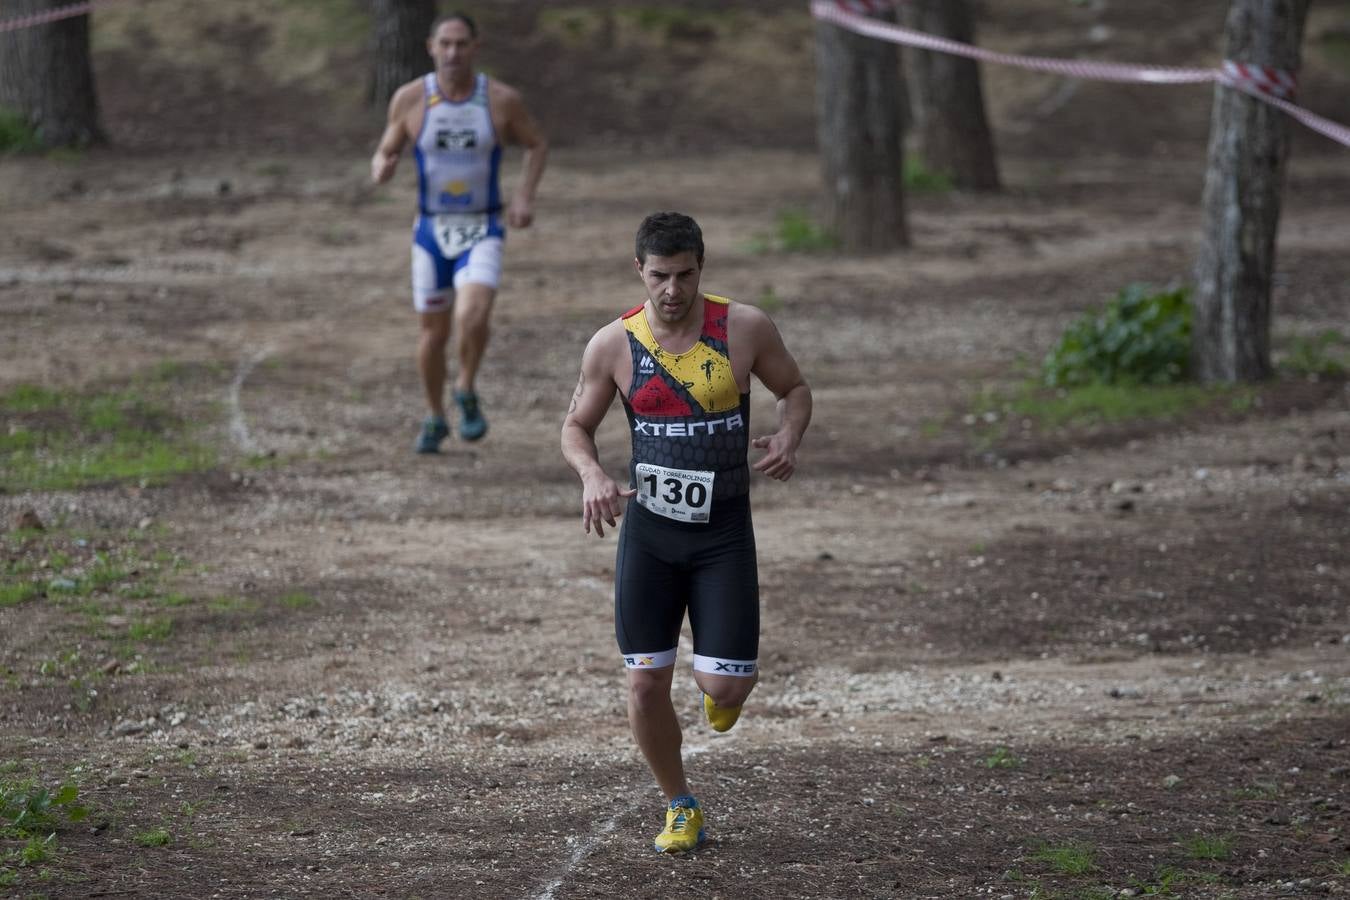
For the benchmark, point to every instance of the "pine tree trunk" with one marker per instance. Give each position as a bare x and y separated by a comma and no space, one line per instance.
954,131
46,77
858,112
1248,145
401,31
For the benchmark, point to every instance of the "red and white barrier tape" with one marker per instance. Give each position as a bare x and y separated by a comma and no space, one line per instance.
1272,86
865,7
51,15
1267,80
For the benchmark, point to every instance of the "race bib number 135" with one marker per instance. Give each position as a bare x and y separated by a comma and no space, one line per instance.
456,233
680,494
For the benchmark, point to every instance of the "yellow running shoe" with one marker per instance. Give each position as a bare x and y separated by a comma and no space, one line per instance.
684,827
721,718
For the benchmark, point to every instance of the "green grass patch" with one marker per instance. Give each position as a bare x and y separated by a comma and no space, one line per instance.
1260,791
670,23
794,231
768,300
155,837
1167,880
155,629
575,25
60,440
1098,404
60,665
15,593
1068,859
1325,355
1002,758
799,233
226,604
174,600
16,135
37,850
923,180
296,600
1209,846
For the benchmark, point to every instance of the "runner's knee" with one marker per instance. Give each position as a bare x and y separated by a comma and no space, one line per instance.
435,327
726,691
649,690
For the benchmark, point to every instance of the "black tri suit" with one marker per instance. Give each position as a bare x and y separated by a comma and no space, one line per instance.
687,542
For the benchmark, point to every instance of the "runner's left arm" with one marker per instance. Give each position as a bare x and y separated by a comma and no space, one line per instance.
776,369
522,129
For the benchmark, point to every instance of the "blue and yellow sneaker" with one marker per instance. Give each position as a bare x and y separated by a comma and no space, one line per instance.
721,718
684,827
434,430
472,425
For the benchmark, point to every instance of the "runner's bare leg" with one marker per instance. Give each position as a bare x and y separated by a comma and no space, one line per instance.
655,728
435,334
473,306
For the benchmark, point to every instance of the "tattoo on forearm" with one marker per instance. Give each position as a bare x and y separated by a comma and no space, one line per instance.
576,395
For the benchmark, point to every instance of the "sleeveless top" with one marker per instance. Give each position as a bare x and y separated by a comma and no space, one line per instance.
458,155
685,410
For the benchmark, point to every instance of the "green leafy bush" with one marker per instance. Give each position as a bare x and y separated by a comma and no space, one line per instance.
28,809
1143,336
16,135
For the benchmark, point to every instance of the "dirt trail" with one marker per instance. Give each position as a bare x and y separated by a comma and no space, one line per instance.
975,644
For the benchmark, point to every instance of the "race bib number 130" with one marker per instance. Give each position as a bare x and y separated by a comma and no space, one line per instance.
456,233
680,494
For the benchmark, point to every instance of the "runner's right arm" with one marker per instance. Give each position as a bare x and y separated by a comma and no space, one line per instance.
601,496
395,135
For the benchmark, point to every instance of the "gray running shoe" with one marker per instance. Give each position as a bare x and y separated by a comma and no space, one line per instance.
434,430
472,425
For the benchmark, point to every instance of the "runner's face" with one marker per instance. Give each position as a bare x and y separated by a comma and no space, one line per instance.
453,48
672,284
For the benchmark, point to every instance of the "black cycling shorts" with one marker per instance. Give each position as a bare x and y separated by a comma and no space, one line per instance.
666,567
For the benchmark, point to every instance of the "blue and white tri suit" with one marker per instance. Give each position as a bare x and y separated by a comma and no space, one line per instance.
458,234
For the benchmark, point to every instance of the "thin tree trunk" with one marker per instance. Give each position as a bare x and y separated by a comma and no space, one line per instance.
954,131
401,31
1248,145
858,112
46,77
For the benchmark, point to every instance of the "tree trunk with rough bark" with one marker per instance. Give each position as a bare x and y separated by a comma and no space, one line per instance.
47,78
1248,146
401,31
858,115
949,99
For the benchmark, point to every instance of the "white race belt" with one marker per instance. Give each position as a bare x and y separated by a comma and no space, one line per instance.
684,495
457,232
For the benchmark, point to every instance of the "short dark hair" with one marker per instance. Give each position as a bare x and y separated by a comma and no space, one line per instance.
455,16
668,233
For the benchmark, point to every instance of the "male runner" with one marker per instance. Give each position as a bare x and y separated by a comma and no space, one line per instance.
682,362
457,121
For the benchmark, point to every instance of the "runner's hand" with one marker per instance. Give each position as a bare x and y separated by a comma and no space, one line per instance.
602,503
781,460
520,213
382,167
